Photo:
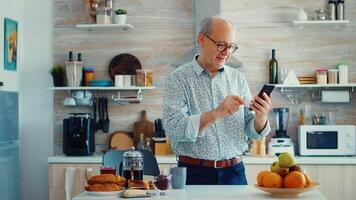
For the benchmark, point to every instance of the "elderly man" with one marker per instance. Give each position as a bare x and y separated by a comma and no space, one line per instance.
206,112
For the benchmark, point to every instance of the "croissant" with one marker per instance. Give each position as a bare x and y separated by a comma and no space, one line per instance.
107,178
106,187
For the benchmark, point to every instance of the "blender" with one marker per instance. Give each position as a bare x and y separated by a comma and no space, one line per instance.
281,142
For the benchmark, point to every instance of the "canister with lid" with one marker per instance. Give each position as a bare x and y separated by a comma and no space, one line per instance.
321,76
333,76
343,73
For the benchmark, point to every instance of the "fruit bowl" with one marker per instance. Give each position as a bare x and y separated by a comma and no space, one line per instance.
288,191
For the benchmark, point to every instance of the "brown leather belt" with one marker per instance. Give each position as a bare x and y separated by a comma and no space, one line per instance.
209,163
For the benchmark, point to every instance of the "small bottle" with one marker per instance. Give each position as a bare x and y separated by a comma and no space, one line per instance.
273,69
141,143
70,59
340,15
80,57
301,117
332,9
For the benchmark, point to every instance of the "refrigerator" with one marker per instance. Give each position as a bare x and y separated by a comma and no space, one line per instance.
9,146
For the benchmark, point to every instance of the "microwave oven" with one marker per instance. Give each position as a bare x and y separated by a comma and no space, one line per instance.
327,140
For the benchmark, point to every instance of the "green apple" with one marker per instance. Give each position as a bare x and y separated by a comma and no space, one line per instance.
275,167
286,160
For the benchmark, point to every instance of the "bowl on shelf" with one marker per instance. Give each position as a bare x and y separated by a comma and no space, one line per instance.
100,83
288,192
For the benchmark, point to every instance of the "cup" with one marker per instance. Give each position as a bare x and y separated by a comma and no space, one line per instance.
88,95
107,170
119,80
179,176
127,80
78,94
69,101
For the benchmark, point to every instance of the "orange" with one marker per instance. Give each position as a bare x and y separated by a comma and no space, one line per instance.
260,177
294,179
272,180
307,180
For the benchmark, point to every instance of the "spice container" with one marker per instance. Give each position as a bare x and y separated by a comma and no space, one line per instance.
140,77
88,75
148,77
321,76
144,77
332,76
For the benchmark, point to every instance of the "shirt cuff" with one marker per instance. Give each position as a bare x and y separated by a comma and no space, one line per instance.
265,131
192,131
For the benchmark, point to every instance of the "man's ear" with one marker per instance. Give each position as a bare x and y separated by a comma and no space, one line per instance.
200,39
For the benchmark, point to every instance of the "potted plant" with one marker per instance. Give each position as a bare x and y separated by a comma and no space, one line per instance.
120,16
58,74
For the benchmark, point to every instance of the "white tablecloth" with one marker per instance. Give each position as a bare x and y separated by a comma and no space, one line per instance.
216,192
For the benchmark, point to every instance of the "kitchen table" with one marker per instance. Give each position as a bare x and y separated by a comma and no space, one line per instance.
204,192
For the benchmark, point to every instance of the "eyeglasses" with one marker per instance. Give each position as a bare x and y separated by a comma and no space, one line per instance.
222,46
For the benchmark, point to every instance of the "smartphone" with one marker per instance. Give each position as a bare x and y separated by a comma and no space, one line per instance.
267,88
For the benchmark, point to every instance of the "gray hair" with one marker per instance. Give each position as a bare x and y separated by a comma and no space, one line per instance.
207,25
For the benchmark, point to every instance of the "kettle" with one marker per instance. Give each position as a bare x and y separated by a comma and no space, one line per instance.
132,166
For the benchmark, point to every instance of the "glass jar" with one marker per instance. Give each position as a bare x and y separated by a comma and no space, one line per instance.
140,77
103,15
132,166
321,76
332,76
148,77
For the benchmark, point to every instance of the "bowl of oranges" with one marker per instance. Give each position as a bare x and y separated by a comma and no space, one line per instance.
285,178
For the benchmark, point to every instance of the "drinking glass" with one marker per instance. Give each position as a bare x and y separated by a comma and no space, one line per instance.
162,182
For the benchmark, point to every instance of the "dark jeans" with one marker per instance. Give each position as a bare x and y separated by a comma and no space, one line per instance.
199,175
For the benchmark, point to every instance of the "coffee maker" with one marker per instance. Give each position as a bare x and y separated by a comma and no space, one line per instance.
79,135
281,142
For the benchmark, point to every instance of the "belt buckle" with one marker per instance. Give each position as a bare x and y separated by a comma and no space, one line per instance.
216,167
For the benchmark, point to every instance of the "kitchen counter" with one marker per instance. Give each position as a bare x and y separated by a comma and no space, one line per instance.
200,192
171,159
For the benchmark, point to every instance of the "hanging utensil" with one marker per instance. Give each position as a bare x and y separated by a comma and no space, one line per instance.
106,121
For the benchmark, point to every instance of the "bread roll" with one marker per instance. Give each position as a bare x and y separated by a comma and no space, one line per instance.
138,184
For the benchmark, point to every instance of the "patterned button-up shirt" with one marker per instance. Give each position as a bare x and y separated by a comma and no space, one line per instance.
191,91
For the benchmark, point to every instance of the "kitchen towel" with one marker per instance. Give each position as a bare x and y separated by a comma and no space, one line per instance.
75,181
69,182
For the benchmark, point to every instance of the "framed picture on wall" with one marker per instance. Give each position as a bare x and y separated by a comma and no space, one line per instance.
10,44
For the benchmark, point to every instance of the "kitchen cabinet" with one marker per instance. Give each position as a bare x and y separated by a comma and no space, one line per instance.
336,179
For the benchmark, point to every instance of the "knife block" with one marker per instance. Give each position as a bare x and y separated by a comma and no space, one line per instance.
162,148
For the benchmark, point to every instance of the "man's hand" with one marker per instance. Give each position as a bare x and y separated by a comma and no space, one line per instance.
261,107
229,106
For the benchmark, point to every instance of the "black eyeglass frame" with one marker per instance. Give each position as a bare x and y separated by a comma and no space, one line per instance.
222,46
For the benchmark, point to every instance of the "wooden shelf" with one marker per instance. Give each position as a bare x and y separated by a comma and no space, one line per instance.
320,23
91,27
102,88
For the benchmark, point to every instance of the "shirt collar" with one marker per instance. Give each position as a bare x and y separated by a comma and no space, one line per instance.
198,68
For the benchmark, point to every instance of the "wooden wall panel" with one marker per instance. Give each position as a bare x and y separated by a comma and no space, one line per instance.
164,30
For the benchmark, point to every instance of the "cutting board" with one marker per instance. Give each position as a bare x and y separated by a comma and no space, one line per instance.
143,126
121,141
